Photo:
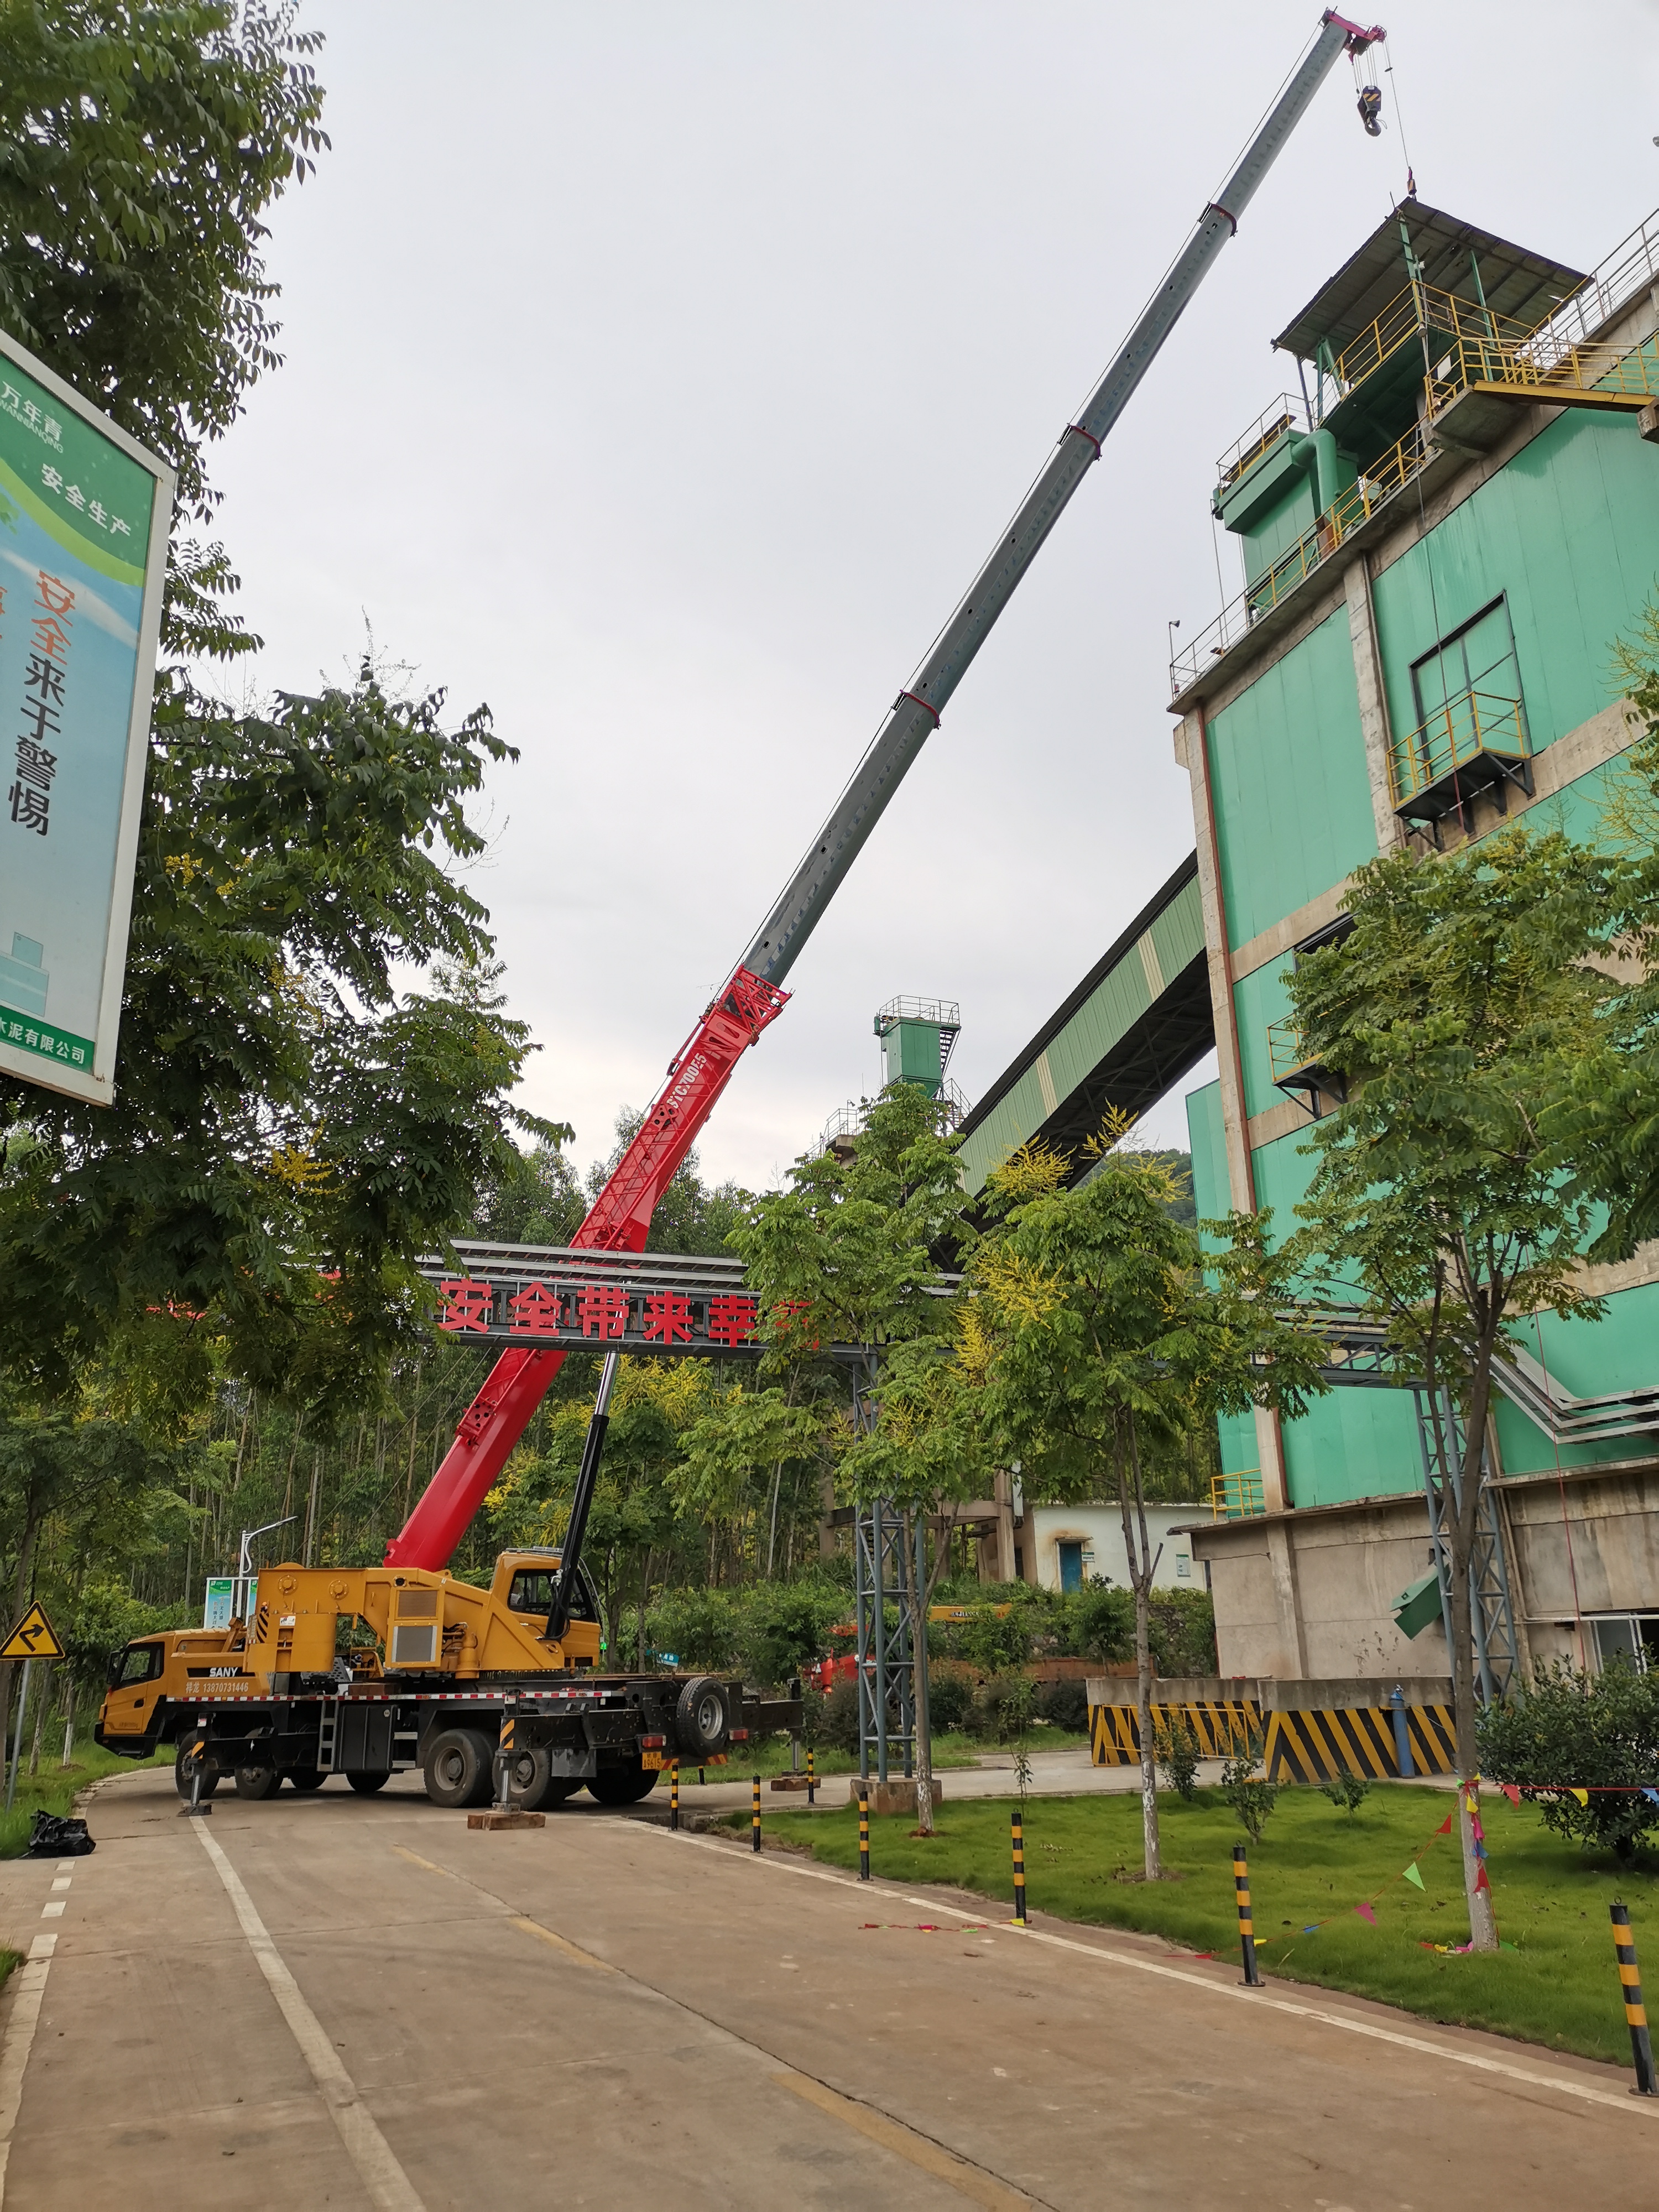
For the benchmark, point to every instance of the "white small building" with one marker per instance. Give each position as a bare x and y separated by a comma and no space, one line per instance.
1064,1547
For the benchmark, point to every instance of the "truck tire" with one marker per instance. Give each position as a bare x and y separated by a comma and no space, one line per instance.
624,1785
257,1782
367,1785
184,1775
535,1787
457,1768
305,1779
702,1719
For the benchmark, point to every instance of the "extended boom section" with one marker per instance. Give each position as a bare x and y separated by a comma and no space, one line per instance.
621,1215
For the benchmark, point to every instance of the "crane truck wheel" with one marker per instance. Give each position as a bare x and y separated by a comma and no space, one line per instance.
184,1774
307,1778
257,1782
623,1785
702,1719
367,1785
536,1788
457,1768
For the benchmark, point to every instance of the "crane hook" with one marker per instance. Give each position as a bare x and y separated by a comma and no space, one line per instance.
1370,110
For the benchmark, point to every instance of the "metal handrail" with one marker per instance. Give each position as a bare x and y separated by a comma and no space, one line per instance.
1285,1051
1474,722
1237,1497
1287,412
1632,264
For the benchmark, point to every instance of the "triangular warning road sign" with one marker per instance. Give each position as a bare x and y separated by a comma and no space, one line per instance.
33,1638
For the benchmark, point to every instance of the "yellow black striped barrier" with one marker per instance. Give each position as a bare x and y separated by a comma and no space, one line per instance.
1314,1744
1636,2012
755,1816
1246,1925
674,1793
1308,1745
812,1778
1221,1727
864,1834
1020,1920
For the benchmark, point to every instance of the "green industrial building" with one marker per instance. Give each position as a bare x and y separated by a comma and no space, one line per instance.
1443,531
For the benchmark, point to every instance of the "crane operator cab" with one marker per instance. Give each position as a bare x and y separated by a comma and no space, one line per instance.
532,1581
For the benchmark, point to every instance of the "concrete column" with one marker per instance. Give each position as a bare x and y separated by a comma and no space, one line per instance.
1195,749
1374,725
1287,1595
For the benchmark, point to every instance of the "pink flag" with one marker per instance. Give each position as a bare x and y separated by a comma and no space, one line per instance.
1511,1791
1365,1913
1477,1831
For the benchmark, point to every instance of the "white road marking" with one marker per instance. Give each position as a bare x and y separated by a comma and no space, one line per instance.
1620,2101
29,1988
53,1910
389,2187
61,1883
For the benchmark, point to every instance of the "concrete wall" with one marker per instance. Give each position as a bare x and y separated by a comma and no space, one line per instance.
1311,1594
1100,1530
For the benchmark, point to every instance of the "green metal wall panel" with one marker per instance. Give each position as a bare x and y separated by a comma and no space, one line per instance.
1004,1131
1569,533
1207,1140
1293,804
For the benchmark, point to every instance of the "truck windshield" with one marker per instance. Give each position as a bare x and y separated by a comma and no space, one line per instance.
139,1663
531,1591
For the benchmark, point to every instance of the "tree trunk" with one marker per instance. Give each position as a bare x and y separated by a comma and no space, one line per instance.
1140,1576
1462,1523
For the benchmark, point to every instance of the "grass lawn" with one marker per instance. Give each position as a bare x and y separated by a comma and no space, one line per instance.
1558,1986
772,1756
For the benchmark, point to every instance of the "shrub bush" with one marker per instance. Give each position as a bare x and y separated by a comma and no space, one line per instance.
1576,1731
699,1626
1064,1705
1175,1749
1248,1791
840,1717
1180,1627
950,1696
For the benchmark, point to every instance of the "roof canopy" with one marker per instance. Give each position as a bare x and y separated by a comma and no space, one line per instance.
1523,286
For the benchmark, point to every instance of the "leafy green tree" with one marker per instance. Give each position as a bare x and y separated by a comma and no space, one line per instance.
1093,1333
848,1256
145,142
289,1131
1455,1013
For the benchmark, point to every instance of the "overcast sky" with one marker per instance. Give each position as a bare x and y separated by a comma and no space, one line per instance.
661,374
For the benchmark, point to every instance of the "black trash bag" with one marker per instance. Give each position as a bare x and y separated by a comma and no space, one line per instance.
53,1836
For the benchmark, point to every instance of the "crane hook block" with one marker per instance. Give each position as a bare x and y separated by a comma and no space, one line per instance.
1358,37
1370,110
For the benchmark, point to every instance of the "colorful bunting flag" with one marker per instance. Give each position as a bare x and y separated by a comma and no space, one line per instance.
1512,1792
1652,1797
1445,1829
1477,1831
1480,1881
1413,1875
1582,1796
1365,1913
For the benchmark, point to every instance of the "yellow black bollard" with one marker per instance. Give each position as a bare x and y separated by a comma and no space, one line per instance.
504,1762
1245,1925
1636,2012
674,1793
1020,1918
864,1834
755,1817
812,1778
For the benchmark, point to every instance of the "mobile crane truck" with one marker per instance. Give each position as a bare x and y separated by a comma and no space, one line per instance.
277,1694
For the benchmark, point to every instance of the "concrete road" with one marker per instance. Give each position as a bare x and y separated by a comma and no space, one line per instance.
358,2001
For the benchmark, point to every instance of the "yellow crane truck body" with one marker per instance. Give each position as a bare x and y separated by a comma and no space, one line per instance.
367,1671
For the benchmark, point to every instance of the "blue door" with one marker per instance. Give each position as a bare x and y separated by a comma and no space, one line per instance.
1071,1566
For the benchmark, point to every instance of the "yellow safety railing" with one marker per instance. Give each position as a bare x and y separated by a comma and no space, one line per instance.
1235,1497
1285,413
1286,1050
1348,511
1468,346
1478,722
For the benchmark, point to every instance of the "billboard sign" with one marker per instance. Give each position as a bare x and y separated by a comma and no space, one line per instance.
220,1603
84,515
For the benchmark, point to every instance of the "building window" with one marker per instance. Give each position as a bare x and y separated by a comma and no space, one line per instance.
1071,1566
1477,659
1631,1637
